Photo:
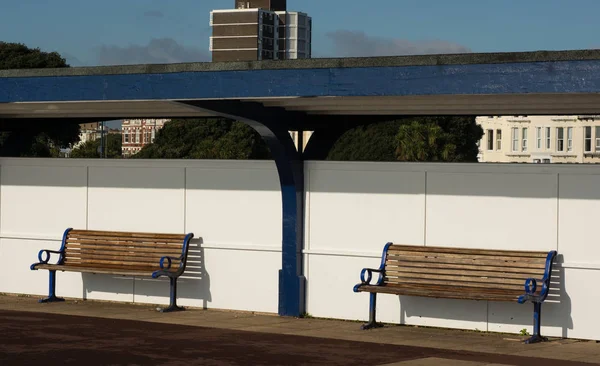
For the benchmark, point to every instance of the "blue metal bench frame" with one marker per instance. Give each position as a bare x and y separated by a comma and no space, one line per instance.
531,285
163,271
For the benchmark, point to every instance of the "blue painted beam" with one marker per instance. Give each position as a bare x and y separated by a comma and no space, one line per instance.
505,78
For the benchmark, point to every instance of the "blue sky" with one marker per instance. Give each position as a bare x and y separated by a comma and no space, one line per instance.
131,31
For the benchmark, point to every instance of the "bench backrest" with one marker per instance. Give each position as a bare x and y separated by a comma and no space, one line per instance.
471,268
113,249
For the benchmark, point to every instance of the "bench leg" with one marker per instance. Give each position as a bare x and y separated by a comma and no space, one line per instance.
173,303
372,312
537,325
52,289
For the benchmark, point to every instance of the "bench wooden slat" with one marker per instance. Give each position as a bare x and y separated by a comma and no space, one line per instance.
448,293
492,263
124,241
108,270
457,277
128,259
145,252
110,262
502,253
411,254
480,259
460,267
122,234
482,285
111,256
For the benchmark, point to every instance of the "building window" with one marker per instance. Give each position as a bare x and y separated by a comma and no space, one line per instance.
524,141
490,139
560,139
153,135
597,138
538,138
126,137
515,139
498,139
569,138
548,138
137,136
587,145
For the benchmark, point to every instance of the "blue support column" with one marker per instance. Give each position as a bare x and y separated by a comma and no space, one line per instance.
272,127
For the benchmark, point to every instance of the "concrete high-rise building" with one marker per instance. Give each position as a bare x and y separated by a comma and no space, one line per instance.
259,30
295,35
275,5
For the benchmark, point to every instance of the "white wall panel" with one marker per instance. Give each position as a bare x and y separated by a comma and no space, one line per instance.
354,210
136,199
579,213
238,280
492,211
42,201
234,206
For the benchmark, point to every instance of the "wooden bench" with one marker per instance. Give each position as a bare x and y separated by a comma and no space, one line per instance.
118,253
456,273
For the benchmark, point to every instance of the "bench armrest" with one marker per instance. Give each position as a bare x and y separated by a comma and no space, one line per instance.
531,284
366,275
369,275
169,262
44,259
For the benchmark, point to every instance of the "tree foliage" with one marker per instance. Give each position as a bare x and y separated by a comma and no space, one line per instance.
33,138
451,139
90,149
205,139
19,56
423,142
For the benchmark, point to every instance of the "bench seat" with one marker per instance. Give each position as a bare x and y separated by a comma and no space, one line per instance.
114,270
446,292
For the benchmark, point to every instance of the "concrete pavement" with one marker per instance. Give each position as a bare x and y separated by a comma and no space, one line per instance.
443,339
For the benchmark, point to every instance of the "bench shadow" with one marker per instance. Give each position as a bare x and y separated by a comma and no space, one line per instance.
498,316
193,286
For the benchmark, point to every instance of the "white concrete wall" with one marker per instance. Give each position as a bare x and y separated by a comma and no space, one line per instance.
353,209
233,208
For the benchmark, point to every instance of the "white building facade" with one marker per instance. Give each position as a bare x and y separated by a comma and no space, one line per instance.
138,133
540,139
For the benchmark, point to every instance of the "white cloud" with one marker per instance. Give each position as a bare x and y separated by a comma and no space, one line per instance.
358,44
157,51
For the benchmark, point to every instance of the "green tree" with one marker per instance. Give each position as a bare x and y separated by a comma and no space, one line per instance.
374,142
19,56
33,138
379,142
90,149
205,139
418,141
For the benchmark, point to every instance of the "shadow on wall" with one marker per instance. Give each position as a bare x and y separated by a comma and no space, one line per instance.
193,286
507,180
500,316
